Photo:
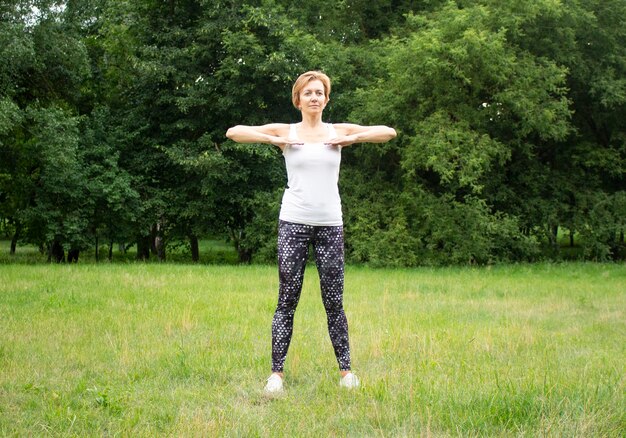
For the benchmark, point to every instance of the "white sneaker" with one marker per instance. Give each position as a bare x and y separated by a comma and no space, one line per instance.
349,381
274,384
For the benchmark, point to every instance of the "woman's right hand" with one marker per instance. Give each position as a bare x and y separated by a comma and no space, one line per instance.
283,142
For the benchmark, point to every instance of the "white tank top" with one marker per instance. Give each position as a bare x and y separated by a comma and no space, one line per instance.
312,194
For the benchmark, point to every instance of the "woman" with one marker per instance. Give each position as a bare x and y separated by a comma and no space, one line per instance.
310,214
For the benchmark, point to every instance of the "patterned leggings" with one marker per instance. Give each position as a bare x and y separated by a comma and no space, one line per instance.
293,250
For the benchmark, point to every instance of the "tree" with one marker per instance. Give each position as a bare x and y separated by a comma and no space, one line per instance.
465,100
41,185
113,114
113,203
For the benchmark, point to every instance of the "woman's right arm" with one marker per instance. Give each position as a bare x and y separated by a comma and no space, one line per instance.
273,133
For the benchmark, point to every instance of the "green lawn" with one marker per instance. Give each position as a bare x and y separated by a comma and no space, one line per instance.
182,350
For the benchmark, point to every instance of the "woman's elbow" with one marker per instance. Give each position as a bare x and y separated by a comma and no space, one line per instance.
232,132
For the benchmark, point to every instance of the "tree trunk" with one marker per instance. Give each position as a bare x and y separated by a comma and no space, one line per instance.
160,248
159,242
57,252
143,247
195,250
571,238
111,251
153,235
97,250
14,240
72,255
245,255
553,231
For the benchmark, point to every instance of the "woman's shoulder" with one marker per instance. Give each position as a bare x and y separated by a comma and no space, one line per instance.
345,128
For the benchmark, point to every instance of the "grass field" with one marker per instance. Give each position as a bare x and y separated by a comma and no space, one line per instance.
182,350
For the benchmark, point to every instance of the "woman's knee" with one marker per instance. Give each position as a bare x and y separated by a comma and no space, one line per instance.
333,302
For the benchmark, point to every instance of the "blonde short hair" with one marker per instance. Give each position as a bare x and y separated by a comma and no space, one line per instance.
304,79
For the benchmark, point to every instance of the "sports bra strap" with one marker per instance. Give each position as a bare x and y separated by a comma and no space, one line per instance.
331,130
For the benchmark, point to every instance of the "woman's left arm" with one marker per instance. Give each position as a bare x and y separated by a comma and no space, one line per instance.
348,133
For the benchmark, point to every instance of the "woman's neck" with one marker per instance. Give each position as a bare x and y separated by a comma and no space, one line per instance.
312,121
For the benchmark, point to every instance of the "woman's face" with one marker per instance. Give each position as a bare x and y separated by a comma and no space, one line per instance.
313,97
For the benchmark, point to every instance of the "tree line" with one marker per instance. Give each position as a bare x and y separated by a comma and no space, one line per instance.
510,117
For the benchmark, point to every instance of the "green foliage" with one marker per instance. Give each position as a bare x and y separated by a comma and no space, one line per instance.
453,90
603,224
486,140
59,196
509,114
459,155
376,226
420,228
259,234
238,181
114,203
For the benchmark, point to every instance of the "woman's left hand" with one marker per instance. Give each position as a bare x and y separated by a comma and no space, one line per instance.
342,140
